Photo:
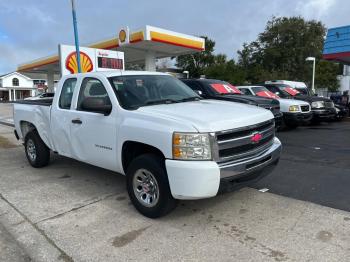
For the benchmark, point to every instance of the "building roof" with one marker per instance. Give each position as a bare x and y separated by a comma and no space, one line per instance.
14,73
337,45
162,43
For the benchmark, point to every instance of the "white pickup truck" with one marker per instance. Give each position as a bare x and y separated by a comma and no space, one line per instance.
154,129
295,112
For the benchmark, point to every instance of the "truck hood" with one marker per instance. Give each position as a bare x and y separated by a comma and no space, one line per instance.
311,99
291,102
256,100
210,115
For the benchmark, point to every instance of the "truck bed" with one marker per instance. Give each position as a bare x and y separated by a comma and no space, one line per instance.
36,112
38,102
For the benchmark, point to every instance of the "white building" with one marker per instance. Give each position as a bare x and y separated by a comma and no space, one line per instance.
344,79
15,86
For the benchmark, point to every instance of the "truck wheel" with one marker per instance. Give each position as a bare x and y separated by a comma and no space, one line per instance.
38,154
148,186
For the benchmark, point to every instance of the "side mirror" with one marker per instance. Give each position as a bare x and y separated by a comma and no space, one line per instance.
96,105
199,92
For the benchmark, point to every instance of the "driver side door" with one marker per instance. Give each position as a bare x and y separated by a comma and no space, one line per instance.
94,135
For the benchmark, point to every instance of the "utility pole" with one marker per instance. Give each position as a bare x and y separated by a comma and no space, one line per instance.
313,59
76,38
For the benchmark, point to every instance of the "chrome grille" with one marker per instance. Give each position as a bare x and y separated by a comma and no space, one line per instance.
305,108
237,144
329,104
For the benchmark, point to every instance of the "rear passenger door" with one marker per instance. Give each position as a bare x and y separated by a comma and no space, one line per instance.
61,116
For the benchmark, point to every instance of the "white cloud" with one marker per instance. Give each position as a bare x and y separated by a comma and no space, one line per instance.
314,9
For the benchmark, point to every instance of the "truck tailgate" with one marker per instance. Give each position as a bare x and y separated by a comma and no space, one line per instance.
36,112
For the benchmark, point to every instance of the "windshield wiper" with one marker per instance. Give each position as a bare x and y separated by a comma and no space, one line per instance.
192,98
161,101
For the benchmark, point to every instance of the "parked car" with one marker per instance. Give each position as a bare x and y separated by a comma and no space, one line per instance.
322,108
149,126
221,90
295,112
41,96
342,105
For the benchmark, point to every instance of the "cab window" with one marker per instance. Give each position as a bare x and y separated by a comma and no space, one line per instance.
92,88
66,96
246,91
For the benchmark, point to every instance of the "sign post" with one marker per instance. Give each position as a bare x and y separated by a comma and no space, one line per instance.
76,38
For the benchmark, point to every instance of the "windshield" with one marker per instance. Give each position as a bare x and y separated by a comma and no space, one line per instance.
289,90
223,88
305,91
143,90
263,92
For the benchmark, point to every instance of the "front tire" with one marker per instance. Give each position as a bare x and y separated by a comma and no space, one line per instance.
148,186
37,153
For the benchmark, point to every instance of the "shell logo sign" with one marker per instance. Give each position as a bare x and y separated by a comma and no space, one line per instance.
85,62
91,60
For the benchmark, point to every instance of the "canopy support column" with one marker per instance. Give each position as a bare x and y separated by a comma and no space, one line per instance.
150,61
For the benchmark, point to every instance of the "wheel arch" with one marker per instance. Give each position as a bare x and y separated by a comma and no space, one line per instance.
133,149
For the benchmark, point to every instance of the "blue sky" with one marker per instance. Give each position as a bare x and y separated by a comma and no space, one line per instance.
30,29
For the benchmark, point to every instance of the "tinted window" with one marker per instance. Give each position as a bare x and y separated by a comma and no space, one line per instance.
142,90
245,91
222,87
90,88
67,93
194,86
277,91
257,89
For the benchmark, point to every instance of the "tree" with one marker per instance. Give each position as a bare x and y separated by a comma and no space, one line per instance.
198,62
280,51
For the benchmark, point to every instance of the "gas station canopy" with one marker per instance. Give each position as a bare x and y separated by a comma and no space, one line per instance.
140,47
337,45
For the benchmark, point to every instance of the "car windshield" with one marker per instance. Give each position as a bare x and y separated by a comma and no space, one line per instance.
288,91
134,91
257,89
223,88
305,91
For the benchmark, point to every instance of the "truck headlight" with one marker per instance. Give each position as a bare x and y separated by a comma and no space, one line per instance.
317,104
294,108
191,146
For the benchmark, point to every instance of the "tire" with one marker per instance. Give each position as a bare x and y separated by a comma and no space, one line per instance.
37,153
146,179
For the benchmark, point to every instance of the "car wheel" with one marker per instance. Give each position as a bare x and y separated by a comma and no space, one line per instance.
148,186
38,154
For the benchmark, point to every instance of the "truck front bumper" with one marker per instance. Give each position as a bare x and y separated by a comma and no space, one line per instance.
203,179
297,118
324,114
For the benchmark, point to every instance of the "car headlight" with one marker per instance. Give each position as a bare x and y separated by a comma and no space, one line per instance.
317,104
294,108
191,146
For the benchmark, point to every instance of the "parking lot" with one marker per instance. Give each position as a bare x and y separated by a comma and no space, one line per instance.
71,211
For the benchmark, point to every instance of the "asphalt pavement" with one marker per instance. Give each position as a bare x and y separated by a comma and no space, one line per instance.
314,166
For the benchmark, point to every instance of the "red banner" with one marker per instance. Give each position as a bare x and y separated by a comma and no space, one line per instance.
267,94
226,89
291,91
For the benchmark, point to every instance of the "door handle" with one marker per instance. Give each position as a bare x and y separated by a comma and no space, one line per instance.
77,121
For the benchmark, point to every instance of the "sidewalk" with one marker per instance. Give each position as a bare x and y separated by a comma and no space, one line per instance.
71,211
6,114
9,249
